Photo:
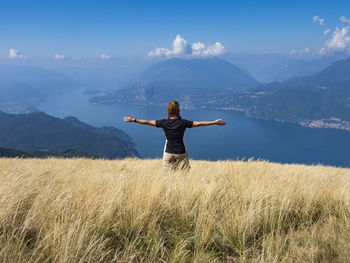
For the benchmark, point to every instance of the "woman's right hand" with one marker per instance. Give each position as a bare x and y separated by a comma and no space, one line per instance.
129,118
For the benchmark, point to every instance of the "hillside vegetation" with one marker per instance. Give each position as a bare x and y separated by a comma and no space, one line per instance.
82,210
38,131
322,97
13,153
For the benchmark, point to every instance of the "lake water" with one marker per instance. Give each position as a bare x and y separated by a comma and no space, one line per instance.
242,137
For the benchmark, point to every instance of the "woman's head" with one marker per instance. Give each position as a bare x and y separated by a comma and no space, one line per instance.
173,109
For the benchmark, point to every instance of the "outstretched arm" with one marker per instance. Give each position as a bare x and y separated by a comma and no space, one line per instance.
145,122
208,123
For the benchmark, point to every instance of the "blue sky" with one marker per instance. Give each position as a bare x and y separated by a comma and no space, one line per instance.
41,29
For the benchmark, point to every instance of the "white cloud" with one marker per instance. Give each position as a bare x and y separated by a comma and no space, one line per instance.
306,50
344,20
182,48
159,52
58,57
340,39
197,48
105,57
322,51
14,53
325,33
214,50
318,19
293,52
300,52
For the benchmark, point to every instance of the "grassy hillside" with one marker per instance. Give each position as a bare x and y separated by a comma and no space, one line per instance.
81,210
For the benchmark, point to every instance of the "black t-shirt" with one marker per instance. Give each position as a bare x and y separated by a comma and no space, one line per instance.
174,131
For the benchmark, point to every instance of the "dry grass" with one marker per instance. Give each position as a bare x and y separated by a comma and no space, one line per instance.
79,210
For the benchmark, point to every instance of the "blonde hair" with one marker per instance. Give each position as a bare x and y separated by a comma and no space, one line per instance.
173,109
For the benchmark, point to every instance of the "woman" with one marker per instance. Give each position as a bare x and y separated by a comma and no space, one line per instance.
175,155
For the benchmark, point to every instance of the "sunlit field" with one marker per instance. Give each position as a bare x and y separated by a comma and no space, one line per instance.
81,210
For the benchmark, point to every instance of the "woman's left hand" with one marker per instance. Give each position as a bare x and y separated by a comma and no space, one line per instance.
219,122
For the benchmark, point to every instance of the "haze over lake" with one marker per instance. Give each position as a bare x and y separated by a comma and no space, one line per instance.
242,137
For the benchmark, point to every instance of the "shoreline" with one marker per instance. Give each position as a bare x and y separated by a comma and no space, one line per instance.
329,123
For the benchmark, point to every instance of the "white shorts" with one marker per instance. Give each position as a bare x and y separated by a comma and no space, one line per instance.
172,161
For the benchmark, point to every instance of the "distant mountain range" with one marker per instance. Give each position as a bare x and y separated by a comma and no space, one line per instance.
41,132
186,80
22,88
291,68
318,100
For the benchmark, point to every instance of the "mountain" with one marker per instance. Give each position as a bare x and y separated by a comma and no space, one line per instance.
24,87
319,100
203,74
299,68
182,79
40,132
12,153
291,68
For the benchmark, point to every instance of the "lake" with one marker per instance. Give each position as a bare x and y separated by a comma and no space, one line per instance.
241,138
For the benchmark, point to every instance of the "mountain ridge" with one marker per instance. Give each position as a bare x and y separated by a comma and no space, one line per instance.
23,87
318,100
183,80
41,132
